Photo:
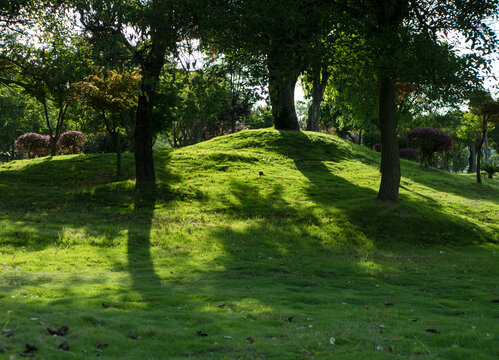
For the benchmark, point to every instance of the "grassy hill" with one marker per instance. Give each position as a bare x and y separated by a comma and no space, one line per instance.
271,243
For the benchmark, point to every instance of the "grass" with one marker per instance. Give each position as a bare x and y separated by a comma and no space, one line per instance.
219,248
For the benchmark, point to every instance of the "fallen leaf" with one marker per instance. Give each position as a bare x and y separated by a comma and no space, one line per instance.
366,306
495,300
396,338
52,331
390,348
201,333
434,331
63,330
105,306
101,345
64,346
30,347
250,340
413,320
221,306
305,352
332,340
132,335
289,319
388,303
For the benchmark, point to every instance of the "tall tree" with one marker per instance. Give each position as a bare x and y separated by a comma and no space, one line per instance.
486,110
405,38
277,34
143,33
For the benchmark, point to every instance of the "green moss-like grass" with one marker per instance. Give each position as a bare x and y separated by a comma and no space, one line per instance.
217,247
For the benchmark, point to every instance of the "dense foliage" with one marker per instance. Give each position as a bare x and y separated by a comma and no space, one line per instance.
71,142
31,145
409,154
429,141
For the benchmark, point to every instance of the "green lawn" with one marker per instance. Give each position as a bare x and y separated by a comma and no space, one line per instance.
299,262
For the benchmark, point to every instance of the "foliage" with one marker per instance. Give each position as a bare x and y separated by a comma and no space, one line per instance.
261,117
429,141
490,169
103,143
71,142
409,154
32,145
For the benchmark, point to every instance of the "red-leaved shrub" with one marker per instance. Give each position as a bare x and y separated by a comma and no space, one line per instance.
33,144
409,154
71,142
428,141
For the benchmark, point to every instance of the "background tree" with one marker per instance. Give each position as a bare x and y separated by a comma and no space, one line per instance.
486,110
110,94
144,33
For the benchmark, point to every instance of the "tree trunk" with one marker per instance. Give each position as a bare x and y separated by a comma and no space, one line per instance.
117,148
479,152
318,88
486,150
282,83
471,159
151,68
390,162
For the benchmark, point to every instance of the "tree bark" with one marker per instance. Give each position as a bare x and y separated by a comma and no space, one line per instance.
479,150
151,67
471,159
318,87
282,83
390,162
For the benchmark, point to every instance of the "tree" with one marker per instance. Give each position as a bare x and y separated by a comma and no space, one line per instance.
110,94
486,110
46,72
278,35
405,45
142,33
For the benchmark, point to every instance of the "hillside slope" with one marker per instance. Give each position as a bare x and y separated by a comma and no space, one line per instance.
242,233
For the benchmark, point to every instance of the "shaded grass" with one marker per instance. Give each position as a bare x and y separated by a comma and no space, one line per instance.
306,239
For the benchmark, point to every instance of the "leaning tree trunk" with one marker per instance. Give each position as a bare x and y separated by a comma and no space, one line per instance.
151,68
282,83
318,88
390,162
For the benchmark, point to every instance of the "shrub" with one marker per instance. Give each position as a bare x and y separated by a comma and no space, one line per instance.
490,169
377,147
31,145
71,142
103,143
428,141
409,154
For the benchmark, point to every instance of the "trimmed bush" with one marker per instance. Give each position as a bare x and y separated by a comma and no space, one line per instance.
71,142
428,141
377,147
31,145
409,154
490,169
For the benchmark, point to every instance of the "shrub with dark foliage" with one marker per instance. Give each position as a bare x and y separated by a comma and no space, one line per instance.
71,142
377,147
428,141
31,145
409,154
103,143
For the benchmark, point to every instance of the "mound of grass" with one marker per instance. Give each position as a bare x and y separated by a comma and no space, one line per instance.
270,243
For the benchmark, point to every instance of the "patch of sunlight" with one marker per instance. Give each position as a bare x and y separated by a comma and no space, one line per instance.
370,267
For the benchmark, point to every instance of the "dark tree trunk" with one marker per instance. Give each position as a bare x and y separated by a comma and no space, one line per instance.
472,158
282,83
479,151
151,67
318,87
390,162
